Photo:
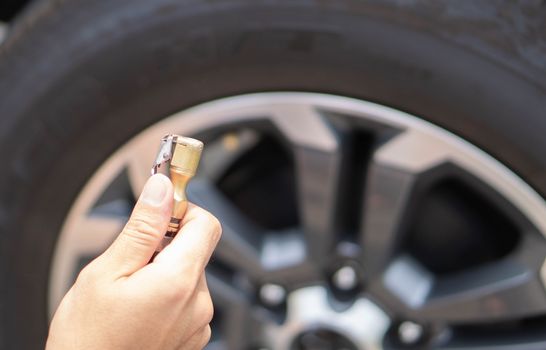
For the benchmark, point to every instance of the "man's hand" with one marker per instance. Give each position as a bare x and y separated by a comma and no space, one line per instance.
119,301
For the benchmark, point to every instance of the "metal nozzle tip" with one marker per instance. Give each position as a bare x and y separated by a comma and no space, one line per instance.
186,155
189,142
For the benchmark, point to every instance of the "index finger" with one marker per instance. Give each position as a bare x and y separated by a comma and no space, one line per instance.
195,242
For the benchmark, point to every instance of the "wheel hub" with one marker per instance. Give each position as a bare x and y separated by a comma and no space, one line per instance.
312,322
322,339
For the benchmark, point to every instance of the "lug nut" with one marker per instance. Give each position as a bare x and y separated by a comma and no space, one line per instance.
345,278
272,294
410,332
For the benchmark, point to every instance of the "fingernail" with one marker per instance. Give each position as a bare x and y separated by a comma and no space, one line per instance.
155,190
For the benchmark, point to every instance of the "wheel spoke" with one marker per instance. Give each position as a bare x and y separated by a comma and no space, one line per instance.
240,322
393,171
508,289
504,290
489,294
387,194
317,156
395,168
241,243
87,238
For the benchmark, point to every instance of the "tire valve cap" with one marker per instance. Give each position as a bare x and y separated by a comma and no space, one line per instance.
182,155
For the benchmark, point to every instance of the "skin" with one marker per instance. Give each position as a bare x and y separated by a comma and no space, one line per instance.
120,301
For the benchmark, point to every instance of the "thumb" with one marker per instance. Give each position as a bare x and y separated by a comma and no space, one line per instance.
135,245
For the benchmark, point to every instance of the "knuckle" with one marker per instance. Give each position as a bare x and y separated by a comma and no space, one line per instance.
141,229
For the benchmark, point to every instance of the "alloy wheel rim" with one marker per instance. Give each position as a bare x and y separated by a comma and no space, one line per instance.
399,151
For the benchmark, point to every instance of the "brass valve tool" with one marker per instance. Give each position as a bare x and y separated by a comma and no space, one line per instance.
182,155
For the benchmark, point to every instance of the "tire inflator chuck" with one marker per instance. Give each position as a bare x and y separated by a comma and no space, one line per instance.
182,155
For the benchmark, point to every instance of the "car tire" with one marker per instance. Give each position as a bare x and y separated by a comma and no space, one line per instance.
80,78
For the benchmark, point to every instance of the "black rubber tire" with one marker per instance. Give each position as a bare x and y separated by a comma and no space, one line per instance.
78,78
